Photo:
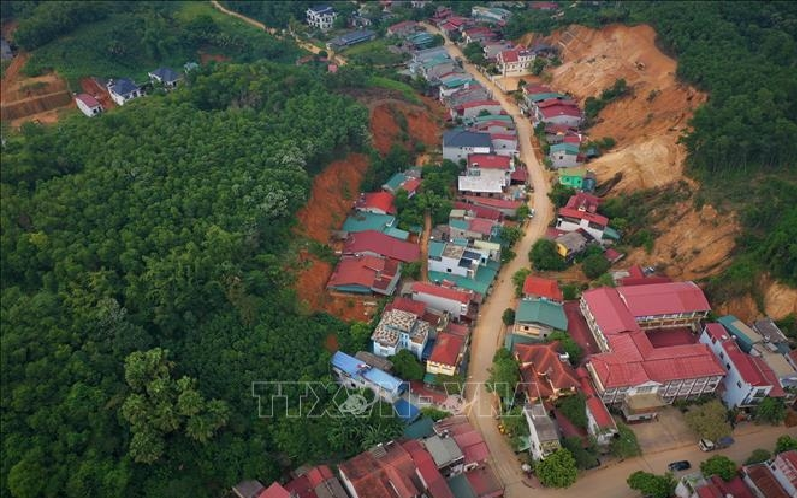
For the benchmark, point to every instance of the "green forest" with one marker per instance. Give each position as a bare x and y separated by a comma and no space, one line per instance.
144,289
743,145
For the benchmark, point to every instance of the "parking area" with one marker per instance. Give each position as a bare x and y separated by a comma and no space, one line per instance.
669,431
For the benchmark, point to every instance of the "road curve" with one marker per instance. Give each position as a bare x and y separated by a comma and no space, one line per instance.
488,333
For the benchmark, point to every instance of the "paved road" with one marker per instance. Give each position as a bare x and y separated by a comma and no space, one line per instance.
487,334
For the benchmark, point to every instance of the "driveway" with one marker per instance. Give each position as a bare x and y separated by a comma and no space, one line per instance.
487,335
669,431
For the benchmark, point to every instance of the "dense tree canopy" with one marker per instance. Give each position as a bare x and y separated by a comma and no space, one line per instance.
166,224
709,421
719,465
652,485
557,470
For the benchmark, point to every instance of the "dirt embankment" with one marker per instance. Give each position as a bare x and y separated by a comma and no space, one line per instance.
694,241
31,99
336,188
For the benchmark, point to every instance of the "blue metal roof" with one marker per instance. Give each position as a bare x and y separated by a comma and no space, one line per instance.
406,411
354,367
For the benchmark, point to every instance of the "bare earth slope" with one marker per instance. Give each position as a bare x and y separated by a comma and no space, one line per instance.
693,243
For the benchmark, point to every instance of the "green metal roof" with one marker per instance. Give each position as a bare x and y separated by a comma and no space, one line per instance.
493,117
511,339
460,241
611,233
730,323
396,233
421,428
460,281
537,97
460,487
436,249
367,221
395,181
541,311
580,171
458,223
453,83
565,147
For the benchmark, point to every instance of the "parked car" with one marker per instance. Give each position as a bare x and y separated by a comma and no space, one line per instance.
708,445
679,466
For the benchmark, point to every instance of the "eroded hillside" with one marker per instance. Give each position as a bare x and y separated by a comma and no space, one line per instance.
694,240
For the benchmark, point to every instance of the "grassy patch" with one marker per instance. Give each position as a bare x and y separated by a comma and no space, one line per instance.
373,52
407,91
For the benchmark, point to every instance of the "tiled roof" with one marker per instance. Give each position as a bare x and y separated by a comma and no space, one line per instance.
541,311
509,56
664,299
463,297
383,201
489,161
319,474
371,241
484,483
762,478
447,349
480,226
275,491
88,100
496,203
370,272
542,369
542,287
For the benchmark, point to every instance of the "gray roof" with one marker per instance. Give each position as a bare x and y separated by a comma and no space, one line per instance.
330,488
767,328
461,138
123,86
541,423
444,451
166,75
353,37
573,241
248,489
373,360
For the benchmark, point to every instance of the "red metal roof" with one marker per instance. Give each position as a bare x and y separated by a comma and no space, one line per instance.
481,226
319,474
496,203
479,211
489,161
476,30
484,483
664,299
411,185
521,174
609,311
478,103
584,215
417,308
765,481
613,255
88,100
542,287
372,241
509,56
752,370
735,487
447,349
275,491
584,201
475,453
536,89
382,201
560,110
301,487
556,101
462,296
370,272
457,329
503,136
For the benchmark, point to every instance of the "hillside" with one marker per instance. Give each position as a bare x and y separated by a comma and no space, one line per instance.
696,240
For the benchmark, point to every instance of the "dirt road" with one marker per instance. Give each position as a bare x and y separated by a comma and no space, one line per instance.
252,22
487,334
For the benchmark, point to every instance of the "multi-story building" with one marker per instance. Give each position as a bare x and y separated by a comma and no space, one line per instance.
353,373
630,365
455,302
447,354
399,330
543,432
321,17
546,373
749,380
515,62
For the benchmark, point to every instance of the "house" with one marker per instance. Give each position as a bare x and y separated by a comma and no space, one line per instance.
446,355
454,301
419,41
478,34
507,207
564,155
771,333
352,373
698,486
538,318
575,216
403,29
545,372
366,274
440,15
477,108
572,177
250,489
402,181
542,288
600,423
123,90
321,17
490,14
401,469
349,39
773,354
360,221
458,144
784,468
453,259
421,56
454,82
492,49
571,244
612,255
543,433
467,95
376,202
762,482
373,360
166,77
447,456
399,330
630,370
515,62
504,144
475,211
483,182
556,111
472,228
374,243
88,105
316,482
748,379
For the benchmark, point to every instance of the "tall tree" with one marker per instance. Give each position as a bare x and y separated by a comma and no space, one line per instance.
558,470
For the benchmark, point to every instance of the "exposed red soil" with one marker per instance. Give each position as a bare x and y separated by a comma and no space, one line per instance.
98,92
384,127
206,57
31,99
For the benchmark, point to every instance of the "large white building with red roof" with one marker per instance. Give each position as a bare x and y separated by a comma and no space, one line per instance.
515,62
454,301
749,379
629,364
